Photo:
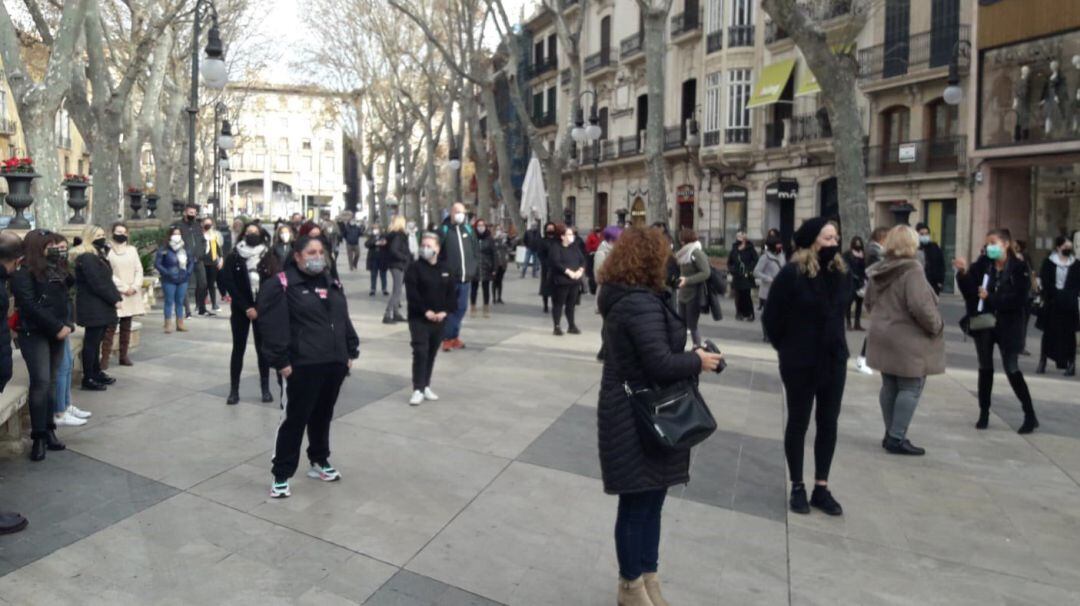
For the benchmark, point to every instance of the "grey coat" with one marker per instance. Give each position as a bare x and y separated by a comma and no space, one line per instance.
696,272
906,336
768,266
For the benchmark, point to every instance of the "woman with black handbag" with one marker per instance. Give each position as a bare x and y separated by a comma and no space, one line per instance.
804,320
644,341
995,289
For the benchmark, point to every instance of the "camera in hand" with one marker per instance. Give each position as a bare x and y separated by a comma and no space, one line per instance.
713,349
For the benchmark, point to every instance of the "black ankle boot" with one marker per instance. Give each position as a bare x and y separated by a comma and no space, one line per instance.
37,451
266,395
986,387
558,331
1020,388
823,500
104,379
798,502
1070,371
234,395
52,442
1041,368
92,385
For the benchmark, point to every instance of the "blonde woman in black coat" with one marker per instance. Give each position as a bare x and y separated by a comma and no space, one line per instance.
645,342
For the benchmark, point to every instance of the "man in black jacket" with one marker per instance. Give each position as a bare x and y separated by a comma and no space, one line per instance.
11,251
532,241
195,244
351,232
458,250
432,296
933,259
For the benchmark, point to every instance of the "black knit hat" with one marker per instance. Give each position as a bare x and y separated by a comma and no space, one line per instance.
808,232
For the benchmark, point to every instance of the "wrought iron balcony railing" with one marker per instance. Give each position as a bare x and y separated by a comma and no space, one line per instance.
632,45
927,50
928,156
740,35
599,60
684,23
737,135
714,41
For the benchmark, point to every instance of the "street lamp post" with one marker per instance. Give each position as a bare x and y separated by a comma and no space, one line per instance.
590,133
214,75
953,93
455,167
223,141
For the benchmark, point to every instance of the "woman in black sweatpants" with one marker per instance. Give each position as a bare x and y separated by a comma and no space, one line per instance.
804,320
308,338
432,296
567,263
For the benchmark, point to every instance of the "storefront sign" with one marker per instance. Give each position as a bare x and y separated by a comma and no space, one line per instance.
684,194
906,153
734,193
784,189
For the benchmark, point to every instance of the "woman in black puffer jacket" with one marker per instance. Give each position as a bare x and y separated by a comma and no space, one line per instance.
96,297
644,341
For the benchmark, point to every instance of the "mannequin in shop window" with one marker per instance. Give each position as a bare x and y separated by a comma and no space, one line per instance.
1022,104
1076,95
1055,99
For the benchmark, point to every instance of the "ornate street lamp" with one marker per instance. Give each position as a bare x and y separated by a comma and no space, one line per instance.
214,72
953,93
592,134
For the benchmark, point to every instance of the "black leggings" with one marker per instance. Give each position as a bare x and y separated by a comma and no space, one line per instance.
691,313
984,350
425,338
378,273
91,351
241,326
564,297
476,287
857,303
744,304
42,355
802,386
497,285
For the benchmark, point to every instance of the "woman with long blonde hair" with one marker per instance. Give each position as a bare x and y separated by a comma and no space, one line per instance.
398,258
804,320
96,302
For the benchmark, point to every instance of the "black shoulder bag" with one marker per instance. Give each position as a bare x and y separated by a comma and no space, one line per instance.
673,418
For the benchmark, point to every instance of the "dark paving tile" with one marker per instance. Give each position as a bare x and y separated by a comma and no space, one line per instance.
361,388
730,470
410,589
66,498
1055,418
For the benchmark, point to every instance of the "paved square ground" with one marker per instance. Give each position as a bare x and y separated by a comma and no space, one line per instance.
491,496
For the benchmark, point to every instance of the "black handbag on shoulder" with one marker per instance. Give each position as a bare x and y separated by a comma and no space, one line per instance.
673,418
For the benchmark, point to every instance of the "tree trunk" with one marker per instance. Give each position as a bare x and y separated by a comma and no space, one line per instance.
106,160
502,157
655,57
39,131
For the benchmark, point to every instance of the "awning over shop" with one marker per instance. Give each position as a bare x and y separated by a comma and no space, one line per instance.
808,84
771,84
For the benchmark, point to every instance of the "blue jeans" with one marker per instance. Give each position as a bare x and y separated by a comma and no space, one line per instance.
63,379
637,532
174,298
453,322
530,259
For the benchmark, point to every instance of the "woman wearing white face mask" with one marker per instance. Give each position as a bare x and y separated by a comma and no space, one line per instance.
308,338
1059,281
432,296
174,267
567,268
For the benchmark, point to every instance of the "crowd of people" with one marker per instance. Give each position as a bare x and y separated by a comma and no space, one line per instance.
282,288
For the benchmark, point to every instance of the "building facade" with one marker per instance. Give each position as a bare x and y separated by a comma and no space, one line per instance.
289,155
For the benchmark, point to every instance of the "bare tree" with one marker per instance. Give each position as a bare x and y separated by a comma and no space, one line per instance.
834,66
654,14
38,102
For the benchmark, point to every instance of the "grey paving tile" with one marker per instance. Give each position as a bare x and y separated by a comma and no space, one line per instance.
361,388
569,444
67,497
410,589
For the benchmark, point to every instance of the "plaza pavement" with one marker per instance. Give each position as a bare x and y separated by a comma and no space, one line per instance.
491,495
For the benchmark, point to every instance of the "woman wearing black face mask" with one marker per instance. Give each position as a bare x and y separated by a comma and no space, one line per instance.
543,252
855,258
804,320
250,263
1059,284
96,303
40,288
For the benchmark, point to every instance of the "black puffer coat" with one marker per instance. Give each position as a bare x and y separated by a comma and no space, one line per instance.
485,256
397,250
44,304
96,295
645,342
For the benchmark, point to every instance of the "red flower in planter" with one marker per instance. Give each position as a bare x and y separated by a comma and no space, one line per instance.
18,165
134,190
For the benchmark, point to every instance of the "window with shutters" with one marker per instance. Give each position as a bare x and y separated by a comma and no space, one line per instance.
713,117
897,37
944,32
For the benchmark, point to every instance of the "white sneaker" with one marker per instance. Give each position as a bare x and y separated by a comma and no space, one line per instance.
280,490
417,398
430,395
326,472
78,412
860,366
68,420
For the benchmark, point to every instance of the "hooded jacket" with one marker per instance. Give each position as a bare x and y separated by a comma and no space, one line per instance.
906,336
645,343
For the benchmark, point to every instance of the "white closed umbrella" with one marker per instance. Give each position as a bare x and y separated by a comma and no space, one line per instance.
533,192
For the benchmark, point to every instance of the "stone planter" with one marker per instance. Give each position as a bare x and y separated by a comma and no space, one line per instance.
76,200
135,201
19,197
177,207
151,205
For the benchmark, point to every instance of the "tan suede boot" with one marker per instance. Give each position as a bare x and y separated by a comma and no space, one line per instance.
652,587
107,346
168,326
632,593
180,324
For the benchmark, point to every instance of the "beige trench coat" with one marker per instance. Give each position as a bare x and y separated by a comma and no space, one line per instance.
906,335
127,274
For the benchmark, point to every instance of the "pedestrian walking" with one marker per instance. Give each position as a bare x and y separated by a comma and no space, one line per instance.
40,288
543,253
351,232
875,251
592,244
194,243
308,338
432,297
906,342
533,239
457,248
1059,320
645,342
804,319
127,273
174,267
211,259
504,250
284,236
245,269
96,302
566,263
741,263
769,264
377,259
855,257
399,257
932,258
694,271
995,289
485,268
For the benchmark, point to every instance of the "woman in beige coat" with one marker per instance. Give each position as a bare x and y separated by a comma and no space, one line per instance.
128,277
906,341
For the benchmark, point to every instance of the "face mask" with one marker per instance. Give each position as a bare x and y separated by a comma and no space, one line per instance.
101,244
826,254
56,255
480,229
252,239
994,251
190,218
550,233
568,239
119,238
924,239
375,233
206,227
778,249
286,236
1066,252
176,240
427,252
315,265
459,218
